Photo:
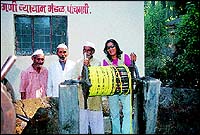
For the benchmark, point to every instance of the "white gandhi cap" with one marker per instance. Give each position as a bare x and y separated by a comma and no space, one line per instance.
38,51
62,45
90,44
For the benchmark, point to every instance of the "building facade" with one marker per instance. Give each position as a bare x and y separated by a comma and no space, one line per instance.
29,25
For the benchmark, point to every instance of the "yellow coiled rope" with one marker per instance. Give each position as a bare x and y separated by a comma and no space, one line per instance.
107,80
101,78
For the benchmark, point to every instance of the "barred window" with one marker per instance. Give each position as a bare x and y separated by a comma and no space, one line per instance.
39,32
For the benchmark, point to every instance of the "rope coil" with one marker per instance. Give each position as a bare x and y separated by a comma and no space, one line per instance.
109,80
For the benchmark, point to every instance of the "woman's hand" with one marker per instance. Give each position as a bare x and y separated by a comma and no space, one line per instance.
133,57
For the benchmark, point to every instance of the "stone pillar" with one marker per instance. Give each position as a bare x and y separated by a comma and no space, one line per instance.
151,97
68,109
146,106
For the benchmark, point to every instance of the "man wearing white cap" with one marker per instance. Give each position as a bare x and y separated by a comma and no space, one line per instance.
92,116
34,79
59,71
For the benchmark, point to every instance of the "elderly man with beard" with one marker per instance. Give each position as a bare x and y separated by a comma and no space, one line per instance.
59,71
34,79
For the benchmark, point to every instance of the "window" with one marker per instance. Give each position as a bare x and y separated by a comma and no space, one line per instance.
39,32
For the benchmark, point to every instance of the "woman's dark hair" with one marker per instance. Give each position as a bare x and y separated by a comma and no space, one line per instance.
119,51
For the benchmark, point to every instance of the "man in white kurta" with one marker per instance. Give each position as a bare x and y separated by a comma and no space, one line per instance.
59,71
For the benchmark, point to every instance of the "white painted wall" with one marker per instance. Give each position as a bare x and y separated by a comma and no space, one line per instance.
120,20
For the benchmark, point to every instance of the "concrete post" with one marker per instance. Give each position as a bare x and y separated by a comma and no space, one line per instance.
146,106
68,109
